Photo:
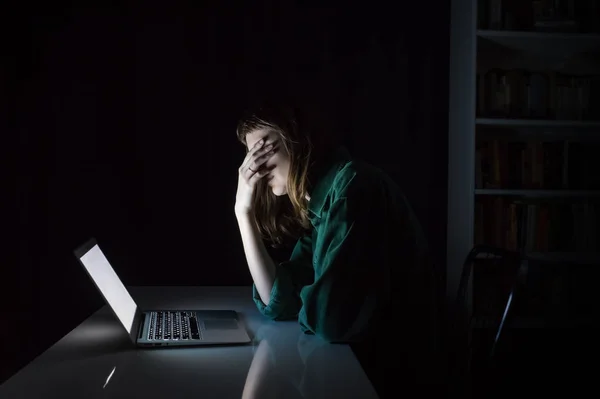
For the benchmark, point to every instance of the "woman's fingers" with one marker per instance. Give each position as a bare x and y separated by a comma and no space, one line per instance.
259,174
258,147
260,158
253,168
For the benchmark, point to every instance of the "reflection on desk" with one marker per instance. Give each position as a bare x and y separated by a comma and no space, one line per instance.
316,369
97,360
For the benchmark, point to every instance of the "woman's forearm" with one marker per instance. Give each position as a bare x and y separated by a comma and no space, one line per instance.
262,267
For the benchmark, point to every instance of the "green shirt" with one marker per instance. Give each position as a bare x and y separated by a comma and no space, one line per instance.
365,241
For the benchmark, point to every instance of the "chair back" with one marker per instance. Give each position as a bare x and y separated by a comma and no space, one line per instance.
482,313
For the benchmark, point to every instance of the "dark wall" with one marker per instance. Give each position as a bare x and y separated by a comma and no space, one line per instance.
120,124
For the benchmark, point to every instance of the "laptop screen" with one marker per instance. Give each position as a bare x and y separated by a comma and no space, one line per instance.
110,285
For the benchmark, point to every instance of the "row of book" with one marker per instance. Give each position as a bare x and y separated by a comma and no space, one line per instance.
537,165
539,15
520,93
537,226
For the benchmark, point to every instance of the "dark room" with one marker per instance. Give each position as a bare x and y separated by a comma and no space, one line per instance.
281,199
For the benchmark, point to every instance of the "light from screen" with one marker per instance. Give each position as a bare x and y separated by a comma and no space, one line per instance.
110,285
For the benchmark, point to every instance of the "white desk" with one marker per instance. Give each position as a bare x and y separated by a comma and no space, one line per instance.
97,360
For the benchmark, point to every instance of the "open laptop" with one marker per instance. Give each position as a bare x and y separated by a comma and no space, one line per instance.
147,328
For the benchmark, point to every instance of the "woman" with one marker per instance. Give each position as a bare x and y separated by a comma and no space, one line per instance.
360,258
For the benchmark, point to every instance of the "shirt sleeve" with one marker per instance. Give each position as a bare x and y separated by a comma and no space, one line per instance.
342,301
290,277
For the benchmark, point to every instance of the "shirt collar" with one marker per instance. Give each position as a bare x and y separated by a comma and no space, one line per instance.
324,178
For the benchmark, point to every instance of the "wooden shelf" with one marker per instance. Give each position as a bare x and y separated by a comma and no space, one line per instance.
556,257
537,123
543,44
539,193
565,257
520,134
539,322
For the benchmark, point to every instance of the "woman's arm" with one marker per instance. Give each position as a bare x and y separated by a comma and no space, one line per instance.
290,277
262,267
349,275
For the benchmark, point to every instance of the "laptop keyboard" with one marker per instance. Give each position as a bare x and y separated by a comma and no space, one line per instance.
173,326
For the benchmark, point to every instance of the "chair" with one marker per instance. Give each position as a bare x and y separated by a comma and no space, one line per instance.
480,319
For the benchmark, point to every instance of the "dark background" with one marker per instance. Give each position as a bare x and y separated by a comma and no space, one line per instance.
119,123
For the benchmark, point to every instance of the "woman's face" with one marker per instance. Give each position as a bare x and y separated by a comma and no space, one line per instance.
280,161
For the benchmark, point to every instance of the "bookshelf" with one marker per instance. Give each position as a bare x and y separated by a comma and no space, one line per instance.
539,193
524,131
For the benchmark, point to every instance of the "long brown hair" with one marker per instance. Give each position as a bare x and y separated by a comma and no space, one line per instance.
281,220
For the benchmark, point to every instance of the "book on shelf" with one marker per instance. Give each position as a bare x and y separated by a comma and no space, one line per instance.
548,226
539,15
550,95
550,165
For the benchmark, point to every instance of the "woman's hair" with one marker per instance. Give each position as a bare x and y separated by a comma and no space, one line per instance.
281,220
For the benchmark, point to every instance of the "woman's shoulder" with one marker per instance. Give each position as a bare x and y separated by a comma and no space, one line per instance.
355,177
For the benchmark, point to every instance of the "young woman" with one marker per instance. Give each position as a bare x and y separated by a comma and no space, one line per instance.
359,268
359,271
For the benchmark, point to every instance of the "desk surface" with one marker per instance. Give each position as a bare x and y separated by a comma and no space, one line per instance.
97,360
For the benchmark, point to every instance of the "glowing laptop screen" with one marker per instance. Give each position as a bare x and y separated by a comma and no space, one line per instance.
110,285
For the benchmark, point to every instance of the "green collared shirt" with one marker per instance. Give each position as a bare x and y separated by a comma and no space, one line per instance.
338,281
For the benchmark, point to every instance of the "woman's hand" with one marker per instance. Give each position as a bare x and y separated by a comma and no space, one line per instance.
252,170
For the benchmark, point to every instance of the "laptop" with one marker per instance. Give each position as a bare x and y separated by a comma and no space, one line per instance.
151,328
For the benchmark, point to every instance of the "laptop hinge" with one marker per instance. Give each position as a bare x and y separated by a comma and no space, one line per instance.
141,326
